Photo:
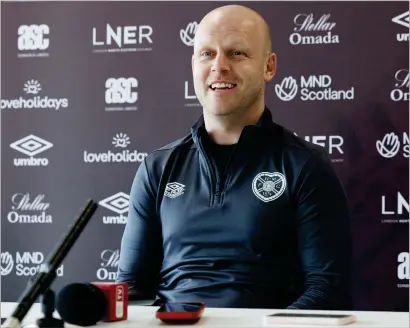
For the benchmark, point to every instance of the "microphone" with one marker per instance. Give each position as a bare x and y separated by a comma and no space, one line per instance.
47,272
85,304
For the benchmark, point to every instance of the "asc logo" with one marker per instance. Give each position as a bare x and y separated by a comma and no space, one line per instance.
33,40
403,266
33,37
403,269
269,186
121,91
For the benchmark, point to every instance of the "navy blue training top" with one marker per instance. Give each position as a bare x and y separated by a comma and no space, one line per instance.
270,231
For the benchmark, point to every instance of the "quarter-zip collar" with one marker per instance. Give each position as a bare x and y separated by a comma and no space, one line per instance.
252,140
251,135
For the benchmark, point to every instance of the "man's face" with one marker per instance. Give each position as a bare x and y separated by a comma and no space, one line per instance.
229,65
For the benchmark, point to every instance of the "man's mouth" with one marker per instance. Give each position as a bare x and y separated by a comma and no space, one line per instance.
222,86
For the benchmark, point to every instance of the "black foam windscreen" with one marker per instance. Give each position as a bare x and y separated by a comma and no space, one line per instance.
81,304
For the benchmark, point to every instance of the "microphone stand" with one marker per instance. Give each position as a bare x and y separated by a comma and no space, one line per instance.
48,307
47,273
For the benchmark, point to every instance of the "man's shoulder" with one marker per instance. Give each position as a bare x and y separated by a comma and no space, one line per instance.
178,146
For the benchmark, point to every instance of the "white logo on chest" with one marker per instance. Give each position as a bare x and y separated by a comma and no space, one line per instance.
268,186
174,189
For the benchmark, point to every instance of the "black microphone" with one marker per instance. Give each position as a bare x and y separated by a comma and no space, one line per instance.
85,304
47,272
81,304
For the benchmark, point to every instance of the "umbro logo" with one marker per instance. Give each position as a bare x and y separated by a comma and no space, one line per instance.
174,189
117,203
402,19
31,145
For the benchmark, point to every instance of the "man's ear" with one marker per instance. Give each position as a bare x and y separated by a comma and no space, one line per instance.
270,68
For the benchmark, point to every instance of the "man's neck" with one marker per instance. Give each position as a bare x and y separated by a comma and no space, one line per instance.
226,130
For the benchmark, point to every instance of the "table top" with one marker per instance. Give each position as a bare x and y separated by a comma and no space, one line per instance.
144,316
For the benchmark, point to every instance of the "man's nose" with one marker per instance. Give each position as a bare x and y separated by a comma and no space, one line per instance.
220,64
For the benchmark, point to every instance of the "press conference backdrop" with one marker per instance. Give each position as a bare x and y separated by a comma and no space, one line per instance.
90,88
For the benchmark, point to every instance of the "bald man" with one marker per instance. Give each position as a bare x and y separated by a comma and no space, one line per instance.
240,212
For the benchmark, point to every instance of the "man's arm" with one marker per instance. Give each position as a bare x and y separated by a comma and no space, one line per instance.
141,244
324,238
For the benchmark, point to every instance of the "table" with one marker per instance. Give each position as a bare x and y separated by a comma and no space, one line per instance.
144,316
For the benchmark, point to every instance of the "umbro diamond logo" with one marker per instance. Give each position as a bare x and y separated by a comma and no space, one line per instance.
117,203
174,189
402,19
31,145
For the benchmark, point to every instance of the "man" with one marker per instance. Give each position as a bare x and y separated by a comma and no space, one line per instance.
240,212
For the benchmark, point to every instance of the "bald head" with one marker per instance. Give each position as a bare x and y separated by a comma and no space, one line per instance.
237,15
232,47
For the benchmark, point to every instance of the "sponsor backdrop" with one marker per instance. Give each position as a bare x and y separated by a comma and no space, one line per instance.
89,89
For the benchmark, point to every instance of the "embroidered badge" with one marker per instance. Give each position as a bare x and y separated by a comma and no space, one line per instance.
269,186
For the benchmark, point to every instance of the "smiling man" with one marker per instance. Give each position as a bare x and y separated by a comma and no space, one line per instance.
240,212
232,61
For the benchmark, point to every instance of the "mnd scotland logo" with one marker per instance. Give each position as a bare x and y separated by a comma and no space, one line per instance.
26,264
33,87
188,34
313,87
390,145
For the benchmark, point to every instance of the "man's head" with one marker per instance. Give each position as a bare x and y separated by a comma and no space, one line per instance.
232,45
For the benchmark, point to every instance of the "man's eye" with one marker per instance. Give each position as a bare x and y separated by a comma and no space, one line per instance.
206,53
237,53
